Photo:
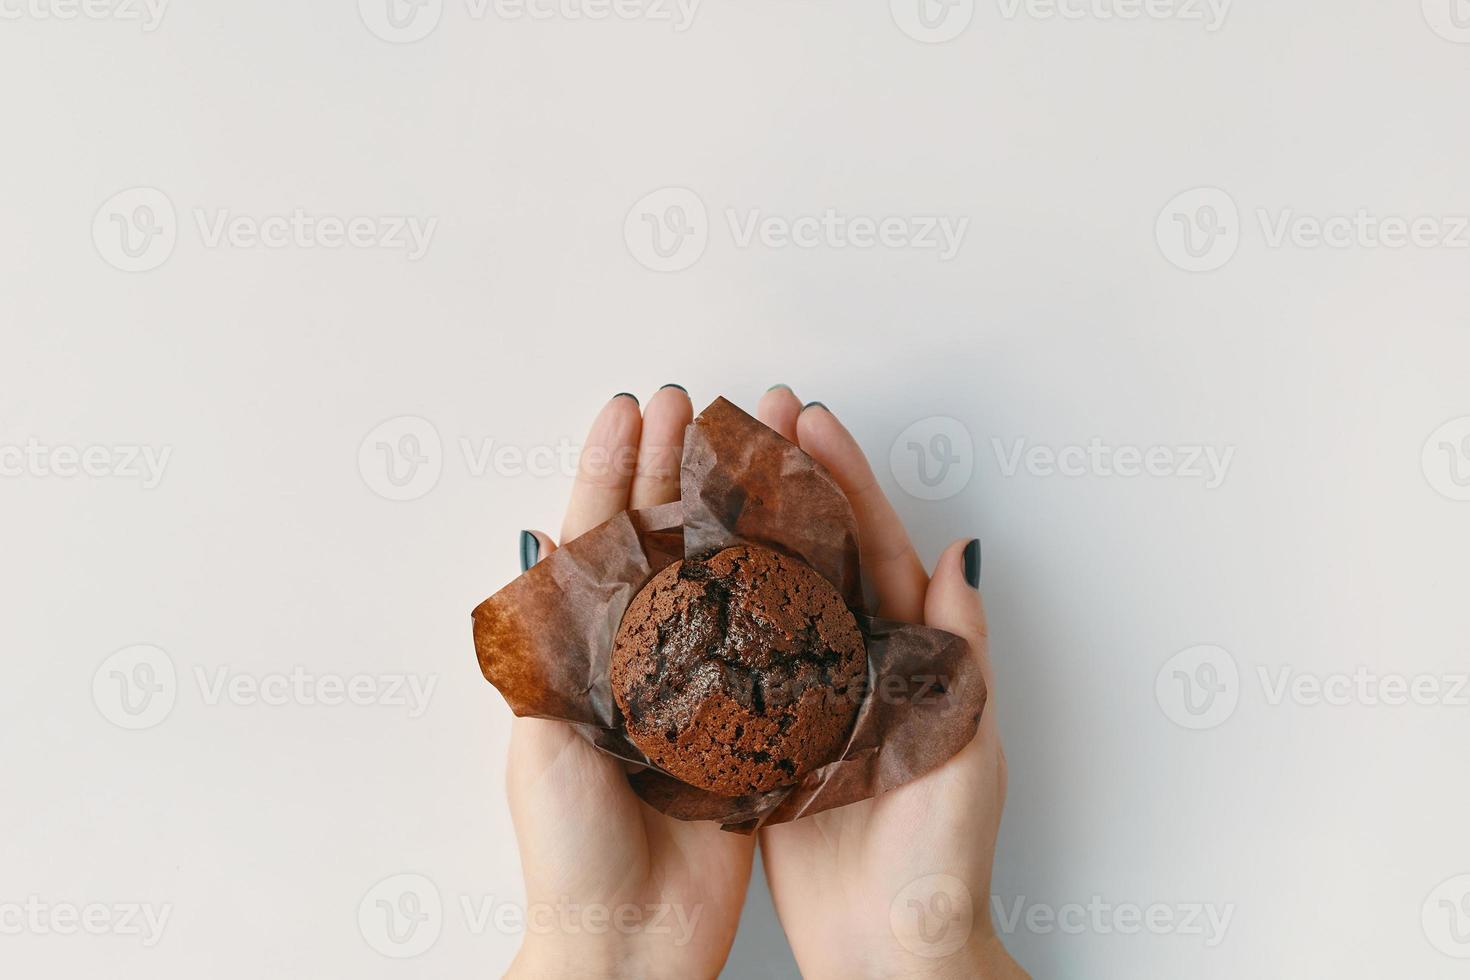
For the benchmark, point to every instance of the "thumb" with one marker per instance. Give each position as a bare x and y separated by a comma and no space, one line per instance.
953,604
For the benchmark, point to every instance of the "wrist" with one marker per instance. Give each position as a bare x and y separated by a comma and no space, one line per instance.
980,958
539,959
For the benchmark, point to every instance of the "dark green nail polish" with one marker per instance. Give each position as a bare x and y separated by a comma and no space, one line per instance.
530,550
672,385
627,394
972,563
774,387
814,405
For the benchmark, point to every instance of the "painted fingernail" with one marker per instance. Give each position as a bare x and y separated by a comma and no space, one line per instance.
972,563
672,385
627,394
774,387
530,550
814,405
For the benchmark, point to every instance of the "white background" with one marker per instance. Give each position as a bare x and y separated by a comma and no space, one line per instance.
1064,317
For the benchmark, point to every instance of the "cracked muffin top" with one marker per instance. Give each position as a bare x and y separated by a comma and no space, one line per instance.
740,672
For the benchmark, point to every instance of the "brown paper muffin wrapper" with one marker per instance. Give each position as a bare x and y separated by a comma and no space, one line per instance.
545,640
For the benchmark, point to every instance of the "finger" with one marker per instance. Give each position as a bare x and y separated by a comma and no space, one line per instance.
953,602
606,467
661,448
535,545
778,409
888,558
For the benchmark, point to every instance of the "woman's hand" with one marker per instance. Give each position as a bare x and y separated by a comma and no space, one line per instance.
635,893
898,885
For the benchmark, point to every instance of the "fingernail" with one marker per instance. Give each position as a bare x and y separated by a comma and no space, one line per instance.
672,385
627,394
530,550
972,563
814,405
774,387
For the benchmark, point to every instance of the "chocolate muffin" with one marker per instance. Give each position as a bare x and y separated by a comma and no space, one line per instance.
740,672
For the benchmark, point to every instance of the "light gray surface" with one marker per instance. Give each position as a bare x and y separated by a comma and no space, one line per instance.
760,951
1335,835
